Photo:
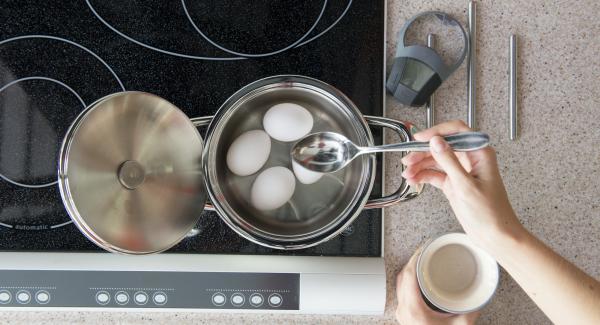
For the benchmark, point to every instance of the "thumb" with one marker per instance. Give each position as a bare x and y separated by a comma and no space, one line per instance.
447,160
407,278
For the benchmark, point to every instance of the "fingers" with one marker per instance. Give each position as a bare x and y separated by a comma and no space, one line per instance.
407,278
442,129
412,309
486,156
414,157
417,161
428,176
412,170
447,160
425,135
430,163
409,269
464,160
484,164
411,265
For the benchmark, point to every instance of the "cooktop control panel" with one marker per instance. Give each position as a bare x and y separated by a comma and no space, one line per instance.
124,289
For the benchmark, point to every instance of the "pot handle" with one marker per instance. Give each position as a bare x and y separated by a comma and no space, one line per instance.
405,191
201,122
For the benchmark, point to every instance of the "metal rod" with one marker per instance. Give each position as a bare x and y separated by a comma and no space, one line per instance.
431,102
471,67
512,101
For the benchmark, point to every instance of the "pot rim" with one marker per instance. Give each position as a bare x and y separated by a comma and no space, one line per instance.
422,283
238,223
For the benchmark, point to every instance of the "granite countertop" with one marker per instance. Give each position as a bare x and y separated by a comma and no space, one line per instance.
554,191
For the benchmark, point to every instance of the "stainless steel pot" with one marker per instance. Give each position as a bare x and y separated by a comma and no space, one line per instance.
327,105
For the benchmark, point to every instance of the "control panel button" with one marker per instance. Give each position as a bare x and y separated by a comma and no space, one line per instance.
159,298
102,297
141,298
256,300
5,297
23,297
219,299
122,297
42,297
275,300
237,299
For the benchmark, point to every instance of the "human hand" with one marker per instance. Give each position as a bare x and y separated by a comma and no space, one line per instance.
412,309
471,182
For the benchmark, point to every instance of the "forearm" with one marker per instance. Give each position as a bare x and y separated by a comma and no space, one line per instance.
562,291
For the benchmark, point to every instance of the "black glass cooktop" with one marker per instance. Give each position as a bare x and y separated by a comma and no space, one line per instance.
56,57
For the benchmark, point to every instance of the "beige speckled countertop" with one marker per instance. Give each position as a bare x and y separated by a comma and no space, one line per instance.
554,191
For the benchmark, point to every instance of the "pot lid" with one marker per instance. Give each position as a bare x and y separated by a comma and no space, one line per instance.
130,173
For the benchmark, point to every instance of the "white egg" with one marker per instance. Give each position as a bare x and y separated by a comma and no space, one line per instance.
287,122
272,188
249,152
304,175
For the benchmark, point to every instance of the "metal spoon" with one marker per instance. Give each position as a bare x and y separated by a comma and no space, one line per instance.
327,152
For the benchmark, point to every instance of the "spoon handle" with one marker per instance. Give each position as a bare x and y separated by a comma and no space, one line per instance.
464,141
